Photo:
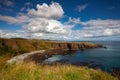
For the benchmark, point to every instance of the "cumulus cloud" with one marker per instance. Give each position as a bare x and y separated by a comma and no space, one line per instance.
52,11
94,29
46,26
43,23
99,28
81,7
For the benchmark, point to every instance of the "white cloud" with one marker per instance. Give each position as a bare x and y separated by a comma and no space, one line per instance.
100,22
43,23
10,34
8,19
27,3
14,20
3,32
46,26
22,9
5,9
8,3
26,6
73,21
36,35
81,7
52,11
94,28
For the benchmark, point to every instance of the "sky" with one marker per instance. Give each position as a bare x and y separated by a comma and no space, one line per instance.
60,19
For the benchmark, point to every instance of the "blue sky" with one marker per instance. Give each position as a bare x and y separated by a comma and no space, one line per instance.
60,19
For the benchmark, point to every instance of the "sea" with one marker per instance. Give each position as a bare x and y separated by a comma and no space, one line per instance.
103,58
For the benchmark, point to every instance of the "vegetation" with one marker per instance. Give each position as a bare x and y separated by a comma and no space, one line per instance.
32,71
19,46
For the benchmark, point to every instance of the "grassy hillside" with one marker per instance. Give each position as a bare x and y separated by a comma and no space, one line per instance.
19,46
31,71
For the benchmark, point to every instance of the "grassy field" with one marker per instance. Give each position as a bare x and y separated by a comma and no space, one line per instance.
32,71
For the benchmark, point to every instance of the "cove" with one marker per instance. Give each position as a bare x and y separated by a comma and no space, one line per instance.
103,58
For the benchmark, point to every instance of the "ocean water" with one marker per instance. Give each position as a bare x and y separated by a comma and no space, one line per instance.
104,58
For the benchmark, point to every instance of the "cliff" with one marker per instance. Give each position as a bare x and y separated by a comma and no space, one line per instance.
19,46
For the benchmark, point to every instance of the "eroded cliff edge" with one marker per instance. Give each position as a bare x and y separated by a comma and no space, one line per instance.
19,46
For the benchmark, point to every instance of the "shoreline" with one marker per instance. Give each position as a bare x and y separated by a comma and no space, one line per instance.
21,57
39,56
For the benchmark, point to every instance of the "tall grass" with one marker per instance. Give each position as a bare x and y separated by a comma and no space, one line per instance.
32,71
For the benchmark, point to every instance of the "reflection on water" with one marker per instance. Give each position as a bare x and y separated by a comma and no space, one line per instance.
103,58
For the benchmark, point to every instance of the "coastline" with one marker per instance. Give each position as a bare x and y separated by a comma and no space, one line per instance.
20,58
39,56
39,50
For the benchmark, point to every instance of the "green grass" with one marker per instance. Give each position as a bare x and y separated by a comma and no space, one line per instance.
32,71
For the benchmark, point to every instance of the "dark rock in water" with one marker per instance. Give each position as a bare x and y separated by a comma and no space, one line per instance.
46,56
40,57
116,68
95,66
105,47
61,62
116,72
82,63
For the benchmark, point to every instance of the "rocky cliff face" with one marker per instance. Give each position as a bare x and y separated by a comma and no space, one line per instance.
73,45
24,45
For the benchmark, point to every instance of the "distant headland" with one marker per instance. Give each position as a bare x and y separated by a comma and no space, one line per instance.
31,49
20,45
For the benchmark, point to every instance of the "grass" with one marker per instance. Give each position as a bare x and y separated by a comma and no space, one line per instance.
32,71
18,46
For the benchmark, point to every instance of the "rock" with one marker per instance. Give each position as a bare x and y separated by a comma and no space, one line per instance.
40,57
82,63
